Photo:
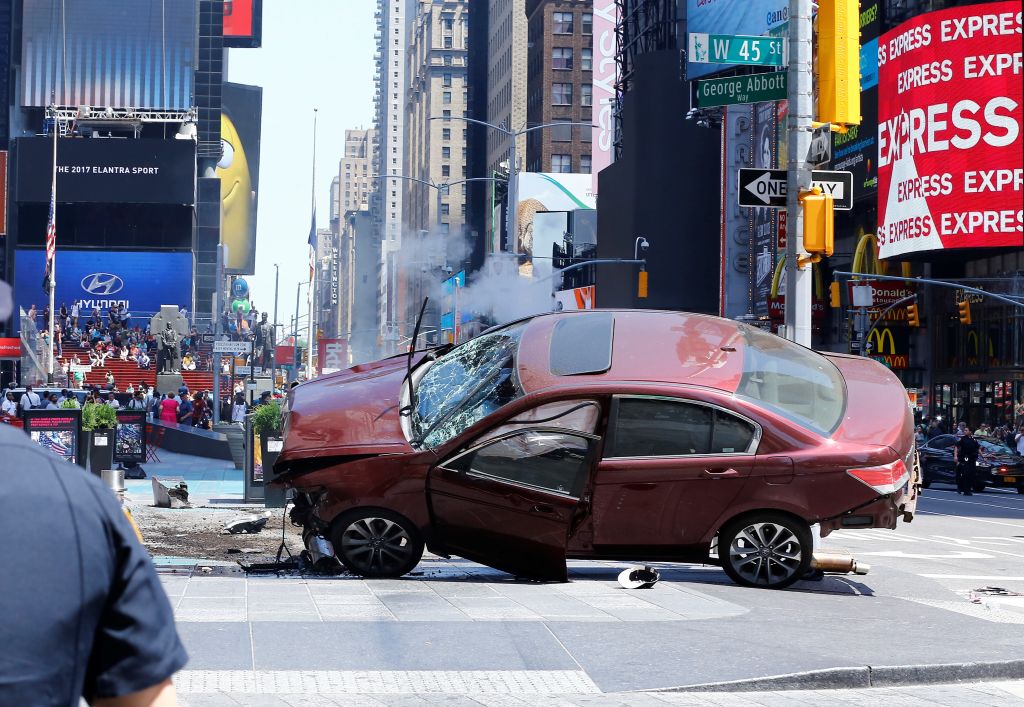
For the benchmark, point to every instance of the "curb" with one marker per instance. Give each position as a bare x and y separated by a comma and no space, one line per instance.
866,677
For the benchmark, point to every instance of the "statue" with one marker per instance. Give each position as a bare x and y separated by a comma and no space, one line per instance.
263,342
169,350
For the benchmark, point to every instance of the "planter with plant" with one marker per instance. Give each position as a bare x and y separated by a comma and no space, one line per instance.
267,421
98,423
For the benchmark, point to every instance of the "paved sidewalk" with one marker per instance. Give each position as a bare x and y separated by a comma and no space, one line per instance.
499,689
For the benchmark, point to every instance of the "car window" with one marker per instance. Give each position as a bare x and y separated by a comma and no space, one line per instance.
799,384
942,442
467,384
576,415
655,427
994,447
549,460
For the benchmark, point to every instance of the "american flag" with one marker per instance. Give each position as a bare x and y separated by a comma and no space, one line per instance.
54,444
51,239
312,245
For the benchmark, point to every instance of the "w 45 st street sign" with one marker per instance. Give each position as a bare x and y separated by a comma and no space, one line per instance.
736,49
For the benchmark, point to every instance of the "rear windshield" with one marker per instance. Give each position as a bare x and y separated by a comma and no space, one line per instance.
795,382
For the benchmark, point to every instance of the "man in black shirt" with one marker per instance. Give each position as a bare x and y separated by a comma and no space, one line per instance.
84,613
965,454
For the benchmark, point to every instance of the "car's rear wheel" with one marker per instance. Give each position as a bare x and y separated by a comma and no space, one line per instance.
978,488
926,478
374,542
768,550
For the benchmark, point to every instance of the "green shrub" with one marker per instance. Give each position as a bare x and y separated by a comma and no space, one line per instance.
267,419
98,417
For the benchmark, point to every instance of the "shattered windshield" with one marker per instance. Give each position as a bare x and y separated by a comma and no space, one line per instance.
466,385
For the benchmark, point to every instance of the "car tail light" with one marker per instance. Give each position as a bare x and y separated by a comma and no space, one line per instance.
1003,470
885,479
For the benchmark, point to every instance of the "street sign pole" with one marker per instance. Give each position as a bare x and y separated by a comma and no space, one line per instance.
801,111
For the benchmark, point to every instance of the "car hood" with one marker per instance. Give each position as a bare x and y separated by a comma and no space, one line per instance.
352,412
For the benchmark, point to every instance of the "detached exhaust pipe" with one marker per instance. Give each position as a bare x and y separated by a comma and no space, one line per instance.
838,562
320,553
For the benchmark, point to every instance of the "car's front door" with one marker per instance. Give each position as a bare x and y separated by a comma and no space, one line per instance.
511,501
670,469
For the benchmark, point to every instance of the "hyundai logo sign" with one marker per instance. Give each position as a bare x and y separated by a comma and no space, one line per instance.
102,283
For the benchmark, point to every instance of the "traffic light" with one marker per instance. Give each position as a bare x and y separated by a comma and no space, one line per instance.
641,290
965,312
819,222
833,295
913,319
838,66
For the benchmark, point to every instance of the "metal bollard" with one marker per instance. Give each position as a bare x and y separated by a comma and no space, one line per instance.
113,479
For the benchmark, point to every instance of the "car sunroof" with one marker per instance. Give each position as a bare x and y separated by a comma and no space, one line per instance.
582,344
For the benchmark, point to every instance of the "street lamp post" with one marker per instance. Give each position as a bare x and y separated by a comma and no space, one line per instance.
273,338
295,331
511,215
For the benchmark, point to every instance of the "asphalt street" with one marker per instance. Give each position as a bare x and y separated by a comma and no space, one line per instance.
458,629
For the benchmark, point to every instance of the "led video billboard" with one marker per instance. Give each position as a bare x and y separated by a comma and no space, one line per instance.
239,172
115,53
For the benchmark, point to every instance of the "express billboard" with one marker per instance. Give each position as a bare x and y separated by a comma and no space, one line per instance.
730,17
99,170
140,280
115,53
949,131
239,172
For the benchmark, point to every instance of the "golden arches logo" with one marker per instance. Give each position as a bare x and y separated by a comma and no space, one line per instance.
877,339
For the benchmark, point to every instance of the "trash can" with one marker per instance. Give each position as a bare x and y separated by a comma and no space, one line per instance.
101,450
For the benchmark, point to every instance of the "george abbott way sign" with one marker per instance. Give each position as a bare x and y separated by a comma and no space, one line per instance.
733,90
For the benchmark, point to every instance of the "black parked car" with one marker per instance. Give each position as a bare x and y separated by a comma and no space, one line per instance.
998,465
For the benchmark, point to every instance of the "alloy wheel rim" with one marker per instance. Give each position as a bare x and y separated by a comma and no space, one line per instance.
766,553
376,545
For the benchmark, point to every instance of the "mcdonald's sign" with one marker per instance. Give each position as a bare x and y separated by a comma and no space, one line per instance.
890,346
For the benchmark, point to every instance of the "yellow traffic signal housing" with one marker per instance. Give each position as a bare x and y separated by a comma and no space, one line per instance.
913,319
833,295
641,290
839,62
819,222
965,312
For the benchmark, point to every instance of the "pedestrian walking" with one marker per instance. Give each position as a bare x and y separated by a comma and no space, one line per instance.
1019,439
169,410
30,399
965,454
238,409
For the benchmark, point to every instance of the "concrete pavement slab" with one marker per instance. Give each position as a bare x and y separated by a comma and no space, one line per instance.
407,646
190,609
217,646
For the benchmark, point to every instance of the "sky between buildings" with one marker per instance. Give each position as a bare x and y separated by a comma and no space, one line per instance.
315,54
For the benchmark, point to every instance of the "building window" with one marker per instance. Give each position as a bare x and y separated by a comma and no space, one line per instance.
446,133
561,94
585,164
447,42
561,163
561,22
446,97
446,170
561,133
587,60
588,23
446,80
448,22
446,113
445,209
561,58
447,59
446,152
587,94
444,228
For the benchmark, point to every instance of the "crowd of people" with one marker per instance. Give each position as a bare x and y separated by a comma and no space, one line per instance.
92,338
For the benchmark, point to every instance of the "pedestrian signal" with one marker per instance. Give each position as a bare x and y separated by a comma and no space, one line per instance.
964,312
833,295
912,315
838,65
641,290
819,222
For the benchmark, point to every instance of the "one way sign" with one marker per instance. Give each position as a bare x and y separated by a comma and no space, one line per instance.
766,188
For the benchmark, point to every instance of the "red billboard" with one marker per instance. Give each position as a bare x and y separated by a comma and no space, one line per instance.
10,347
949,131
243,23
332,355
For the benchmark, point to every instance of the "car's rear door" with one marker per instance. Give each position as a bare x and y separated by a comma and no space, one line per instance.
940,462
509,502
670,469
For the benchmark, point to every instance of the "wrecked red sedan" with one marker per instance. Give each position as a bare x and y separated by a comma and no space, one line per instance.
602,434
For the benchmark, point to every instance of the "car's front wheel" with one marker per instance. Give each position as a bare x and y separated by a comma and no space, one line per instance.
768,550
926,477
374,542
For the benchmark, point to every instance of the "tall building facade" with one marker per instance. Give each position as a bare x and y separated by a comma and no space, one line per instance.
437,149
560,63
355,170
386,203
506,87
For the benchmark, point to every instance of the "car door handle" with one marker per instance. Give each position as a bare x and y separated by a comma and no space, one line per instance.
718,472
647,486
542,508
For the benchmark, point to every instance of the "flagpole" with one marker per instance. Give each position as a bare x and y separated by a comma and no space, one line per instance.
310,342
52,226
